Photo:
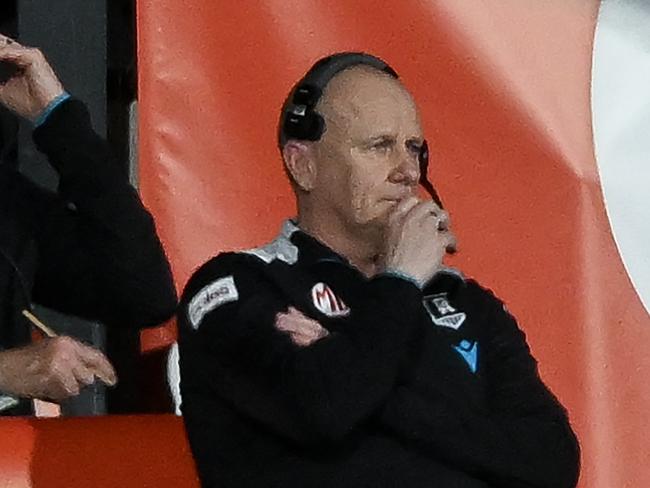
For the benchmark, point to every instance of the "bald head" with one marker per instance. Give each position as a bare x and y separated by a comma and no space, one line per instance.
362,101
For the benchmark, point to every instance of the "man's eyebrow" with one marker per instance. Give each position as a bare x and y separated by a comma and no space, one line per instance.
381,137
366,140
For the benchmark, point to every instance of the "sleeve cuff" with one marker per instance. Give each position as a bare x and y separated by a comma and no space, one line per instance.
40,120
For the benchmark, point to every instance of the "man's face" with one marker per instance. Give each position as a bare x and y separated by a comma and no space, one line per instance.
367,159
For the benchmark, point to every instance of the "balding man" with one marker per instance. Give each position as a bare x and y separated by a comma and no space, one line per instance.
344,353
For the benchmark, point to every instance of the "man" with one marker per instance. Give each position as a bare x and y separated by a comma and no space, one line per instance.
90,250
344,353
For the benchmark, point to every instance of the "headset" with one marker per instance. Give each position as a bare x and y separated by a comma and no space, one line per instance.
301,121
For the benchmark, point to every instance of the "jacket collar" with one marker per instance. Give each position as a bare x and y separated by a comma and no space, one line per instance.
311,250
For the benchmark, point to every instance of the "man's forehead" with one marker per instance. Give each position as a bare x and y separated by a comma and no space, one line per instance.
365,99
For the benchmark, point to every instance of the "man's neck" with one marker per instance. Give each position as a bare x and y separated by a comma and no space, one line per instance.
362,251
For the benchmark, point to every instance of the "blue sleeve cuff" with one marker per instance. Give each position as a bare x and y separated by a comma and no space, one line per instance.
404,276
40,120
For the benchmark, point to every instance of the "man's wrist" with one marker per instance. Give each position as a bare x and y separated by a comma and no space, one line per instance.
51,107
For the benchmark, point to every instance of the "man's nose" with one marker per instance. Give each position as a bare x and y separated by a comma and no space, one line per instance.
406,170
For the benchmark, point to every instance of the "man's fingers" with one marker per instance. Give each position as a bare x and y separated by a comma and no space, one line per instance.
83,375
452,243
442,221
290,324
20,56
305,339
302,330
402,209
96,362
426,209
69,386
430,213
4,40
449,241
312,334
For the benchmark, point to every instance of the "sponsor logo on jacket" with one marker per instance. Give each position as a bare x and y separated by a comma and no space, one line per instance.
210,297
327,302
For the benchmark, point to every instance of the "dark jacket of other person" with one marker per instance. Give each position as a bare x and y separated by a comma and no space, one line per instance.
90,250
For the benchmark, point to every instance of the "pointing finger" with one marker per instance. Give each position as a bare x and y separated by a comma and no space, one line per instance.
98,364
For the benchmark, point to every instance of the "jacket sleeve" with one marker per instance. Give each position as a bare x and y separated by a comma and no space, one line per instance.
307,395
99,254
521,439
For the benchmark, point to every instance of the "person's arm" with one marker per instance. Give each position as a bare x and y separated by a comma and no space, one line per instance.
523,438
51,369
99,255
308,394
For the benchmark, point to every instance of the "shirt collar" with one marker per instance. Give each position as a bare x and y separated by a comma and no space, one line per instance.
312,251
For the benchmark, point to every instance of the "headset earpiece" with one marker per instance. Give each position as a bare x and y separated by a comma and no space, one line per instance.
300,120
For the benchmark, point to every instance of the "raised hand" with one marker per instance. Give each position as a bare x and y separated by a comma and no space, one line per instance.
34,85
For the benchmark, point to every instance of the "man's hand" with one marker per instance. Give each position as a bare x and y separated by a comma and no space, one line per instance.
34,86
53,369
303,330
418,238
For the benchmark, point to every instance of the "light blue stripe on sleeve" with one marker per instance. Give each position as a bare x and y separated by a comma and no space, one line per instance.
40,120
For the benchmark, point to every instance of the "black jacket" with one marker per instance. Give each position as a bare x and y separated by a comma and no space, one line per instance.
432,388
91,250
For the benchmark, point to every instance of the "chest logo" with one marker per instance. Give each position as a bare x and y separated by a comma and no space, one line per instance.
442,313
327,302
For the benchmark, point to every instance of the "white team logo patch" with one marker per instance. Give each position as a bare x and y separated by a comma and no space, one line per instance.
327,302
442,313
210,297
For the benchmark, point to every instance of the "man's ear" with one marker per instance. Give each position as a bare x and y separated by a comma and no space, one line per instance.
298,158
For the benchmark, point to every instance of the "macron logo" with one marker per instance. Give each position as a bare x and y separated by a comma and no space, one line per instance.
469,352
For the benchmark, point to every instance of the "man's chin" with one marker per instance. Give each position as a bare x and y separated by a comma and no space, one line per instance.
374,223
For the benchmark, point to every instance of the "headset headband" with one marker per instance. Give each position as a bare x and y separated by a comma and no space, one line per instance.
299,118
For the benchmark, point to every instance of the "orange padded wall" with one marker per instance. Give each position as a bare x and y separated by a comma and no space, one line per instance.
504,88
146,451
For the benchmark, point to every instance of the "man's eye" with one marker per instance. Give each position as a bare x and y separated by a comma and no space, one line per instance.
414,148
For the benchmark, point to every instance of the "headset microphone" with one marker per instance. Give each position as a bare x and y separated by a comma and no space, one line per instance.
423,159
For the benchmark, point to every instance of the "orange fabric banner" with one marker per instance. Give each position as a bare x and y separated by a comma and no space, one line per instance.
504,89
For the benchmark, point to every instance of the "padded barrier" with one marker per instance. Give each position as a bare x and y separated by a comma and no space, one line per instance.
505,92
100,452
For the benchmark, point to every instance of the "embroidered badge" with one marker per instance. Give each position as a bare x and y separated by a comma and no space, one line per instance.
442,313
210,297
469,352
327,302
